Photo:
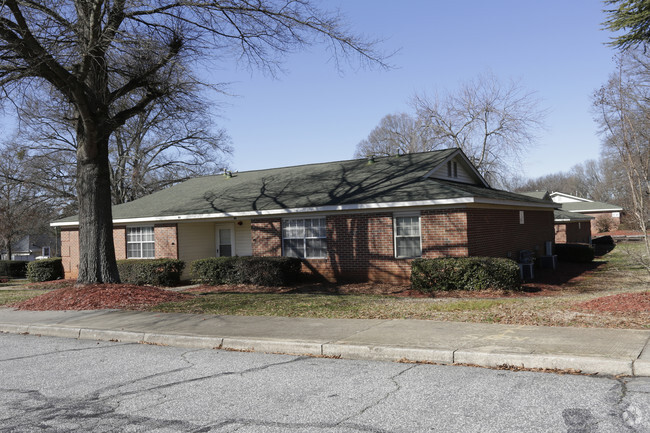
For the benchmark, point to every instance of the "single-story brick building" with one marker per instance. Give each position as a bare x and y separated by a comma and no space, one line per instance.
610,213
570,227
362,219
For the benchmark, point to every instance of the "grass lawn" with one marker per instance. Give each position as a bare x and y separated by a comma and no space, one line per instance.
552,300
11,296
613,273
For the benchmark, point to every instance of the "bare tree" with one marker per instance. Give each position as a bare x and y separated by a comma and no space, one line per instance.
109,60
396,133
157,147
23,207
493,123
623,114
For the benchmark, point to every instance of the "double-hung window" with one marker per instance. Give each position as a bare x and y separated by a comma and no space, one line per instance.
304,238
407,236
140,243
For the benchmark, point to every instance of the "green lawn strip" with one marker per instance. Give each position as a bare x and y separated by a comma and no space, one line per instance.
325,306
12,296
15,283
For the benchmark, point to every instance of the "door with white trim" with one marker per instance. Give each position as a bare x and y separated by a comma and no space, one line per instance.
225,240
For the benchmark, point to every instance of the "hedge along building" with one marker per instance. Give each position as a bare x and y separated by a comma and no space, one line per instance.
360,220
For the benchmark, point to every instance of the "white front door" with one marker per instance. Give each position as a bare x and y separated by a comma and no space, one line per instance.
225,240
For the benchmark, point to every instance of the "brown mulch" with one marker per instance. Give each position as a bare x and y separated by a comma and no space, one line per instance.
622,303
100,297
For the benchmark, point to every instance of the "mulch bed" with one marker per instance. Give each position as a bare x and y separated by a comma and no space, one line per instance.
623,303
100,297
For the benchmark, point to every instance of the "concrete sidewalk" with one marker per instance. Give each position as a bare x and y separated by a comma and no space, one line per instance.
602,351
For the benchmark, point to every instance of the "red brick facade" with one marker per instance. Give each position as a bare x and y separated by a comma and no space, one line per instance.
166,238
165,235
499,233
361,246
573,233
70,252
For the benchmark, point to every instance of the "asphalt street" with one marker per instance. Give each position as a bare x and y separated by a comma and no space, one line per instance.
53,384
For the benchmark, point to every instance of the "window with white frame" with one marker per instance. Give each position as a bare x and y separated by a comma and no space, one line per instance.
407,236
306,237
140,243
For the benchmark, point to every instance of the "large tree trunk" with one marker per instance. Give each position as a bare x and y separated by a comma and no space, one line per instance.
97,253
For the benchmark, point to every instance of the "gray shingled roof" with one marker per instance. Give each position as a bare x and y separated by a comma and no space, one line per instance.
542,195
566,216
353,182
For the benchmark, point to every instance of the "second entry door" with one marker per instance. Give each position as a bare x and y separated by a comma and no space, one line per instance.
225,240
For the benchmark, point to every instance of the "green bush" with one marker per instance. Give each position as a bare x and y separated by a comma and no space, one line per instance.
157,272
13,268
214,270
580,253
261,271
45,270
464,273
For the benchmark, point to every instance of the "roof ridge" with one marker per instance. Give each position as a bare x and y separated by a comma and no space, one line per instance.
333,162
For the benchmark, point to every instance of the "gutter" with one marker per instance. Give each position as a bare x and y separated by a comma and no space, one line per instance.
333,208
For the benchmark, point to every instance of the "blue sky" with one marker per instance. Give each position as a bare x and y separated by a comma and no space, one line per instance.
314,114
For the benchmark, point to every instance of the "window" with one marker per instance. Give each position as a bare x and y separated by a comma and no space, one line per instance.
407,236
521,217
452,169
304,238
140,243
45,252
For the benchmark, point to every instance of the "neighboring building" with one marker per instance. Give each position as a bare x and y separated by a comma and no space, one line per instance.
596,209
362,219
570,227
31,247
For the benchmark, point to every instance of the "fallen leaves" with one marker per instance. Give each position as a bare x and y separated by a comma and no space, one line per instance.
101,296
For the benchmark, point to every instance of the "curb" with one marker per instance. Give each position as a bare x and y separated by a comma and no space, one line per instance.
490,359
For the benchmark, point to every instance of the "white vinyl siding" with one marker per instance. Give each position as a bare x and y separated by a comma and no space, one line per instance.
304,238
140,243
243,239
407,236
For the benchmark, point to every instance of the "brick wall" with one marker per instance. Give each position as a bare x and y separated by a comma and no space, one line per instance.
360,247
266,236
615,221
119,241
498,232
444,233
166,238
70,252
576,232
165,235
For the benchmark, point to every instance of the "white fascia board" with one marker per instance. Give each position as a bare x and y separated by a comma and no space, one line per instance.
578,199
619,209
514,203
345,207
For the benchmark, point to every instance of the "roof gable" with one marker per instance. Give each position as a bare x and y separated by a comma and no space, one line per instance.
560,197
457,168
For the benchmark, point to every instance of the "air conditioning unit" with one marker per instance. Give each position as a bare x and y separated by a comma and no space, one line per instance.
526,271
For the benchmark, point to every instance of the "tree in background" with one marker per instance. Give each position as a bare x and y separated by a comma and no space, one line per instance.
623,114
23,208
494,124
154,149
107,61
396,133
